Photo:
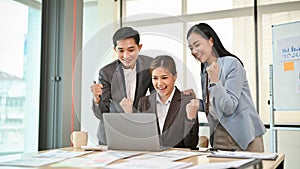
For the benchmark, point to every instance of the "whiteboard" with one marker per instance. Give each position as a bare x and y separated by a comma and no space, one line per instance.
286,66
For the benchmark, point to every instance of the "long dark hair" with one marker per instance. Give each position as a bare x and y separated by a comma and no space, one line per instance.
207,32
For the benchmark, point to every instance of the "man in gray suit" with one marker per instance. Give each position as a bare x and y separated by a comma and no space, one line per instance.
122,82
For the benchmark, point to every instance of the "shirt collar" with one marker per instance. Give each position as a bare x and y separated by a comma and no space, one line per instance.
129,70
168,100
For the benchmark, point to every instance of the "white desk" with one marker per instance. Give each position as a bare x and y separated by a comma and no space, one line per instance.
202,159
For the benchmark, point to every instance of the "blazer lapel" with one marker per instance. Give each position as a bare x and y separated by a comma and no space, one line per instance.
118,82
152,108
139,81
152,101
220,63
174,109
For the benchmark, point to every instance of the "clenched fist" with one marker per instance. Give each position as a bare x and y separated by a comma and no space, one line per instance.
213,72
126,105
192,109
96,89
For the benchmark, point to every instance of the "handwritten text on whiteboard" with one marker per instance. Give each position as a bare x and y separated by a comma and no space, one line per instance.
289,48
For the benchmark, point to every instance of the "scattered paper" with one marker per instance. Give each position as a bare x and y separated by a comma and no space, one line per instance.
99,159
31,162
223,165
146,164
150,156
86,162
118,154
175,155
62,154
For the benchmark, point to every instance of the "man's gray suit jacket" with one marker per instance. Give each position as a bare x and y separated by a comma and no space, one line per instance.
111,77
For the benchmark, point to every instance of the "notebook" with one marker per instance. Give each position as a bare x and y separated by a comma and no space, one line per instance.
132,131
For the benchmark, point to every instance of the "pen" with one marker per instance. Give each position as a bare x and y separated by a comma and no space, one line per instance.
213,149
96,83
219,149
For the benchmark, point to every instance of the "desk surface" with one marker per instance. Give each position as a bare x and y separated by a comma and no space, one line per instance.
267,164
201,159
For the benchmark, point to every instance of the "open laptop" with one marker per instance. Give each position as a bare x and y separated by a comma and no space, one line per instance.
132,131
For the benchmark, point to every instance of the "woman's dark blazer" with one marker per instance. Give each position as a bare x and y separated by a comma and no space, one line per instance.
177,131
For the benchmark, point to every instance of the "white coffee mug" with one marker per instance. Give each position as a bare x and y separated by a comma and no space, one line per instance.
79,138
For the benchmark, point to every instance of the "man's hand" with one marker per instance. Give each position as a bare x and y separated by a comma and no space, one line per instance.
96,89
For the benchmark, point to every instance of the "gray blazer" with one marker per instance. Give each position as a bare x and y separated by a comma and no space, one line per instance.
177,130
111,77
233,103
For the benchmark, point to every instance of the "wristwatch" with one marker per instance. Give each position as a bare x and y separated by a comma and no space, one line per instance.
212,84
193,120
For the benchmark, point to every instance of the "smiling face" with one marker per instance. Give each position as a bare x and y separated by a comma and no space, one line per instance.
201,48
128,52
164,82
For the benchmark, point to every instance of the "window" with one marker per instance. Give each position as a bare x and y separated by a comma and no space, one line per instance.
236,32
200,6
165,30
19,75
221,16
145,9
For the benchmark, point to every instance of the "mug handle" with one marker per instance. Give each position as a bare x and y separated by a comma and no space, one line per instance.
71,137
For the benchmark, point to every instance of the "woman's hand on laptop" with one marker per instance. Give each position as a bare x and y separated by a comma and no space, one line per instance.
126,105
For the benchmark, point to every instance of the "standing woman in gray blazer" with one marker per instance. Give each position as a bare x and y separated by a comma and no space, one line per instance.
233,120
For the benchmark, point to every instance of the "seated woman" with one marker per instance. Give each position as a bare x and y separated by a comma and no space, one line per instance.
176,113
